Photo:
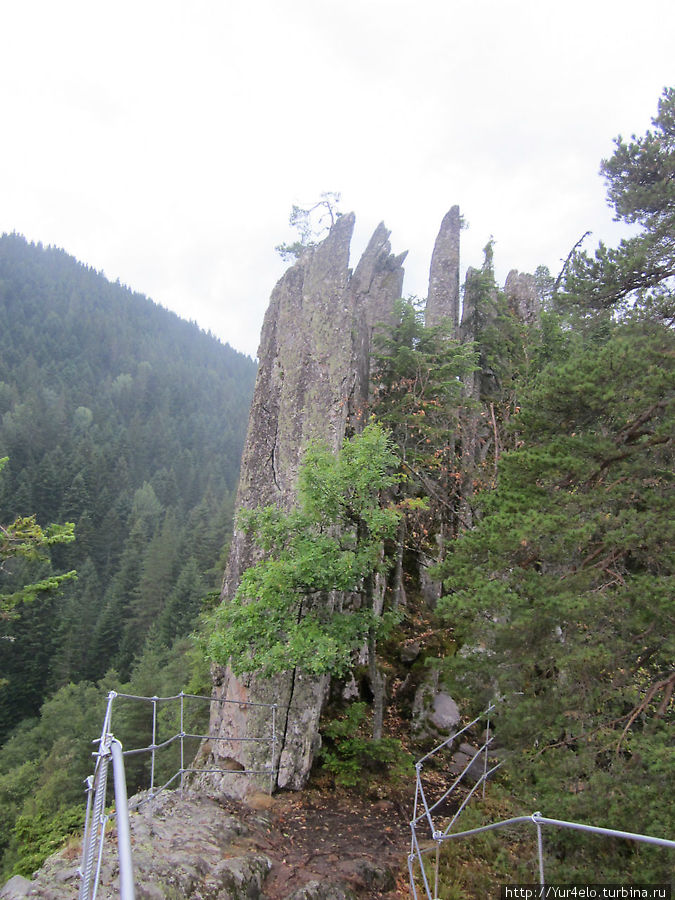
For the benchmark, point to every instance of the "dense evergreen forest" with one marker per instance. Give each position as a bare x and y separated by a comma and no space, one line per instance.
123,419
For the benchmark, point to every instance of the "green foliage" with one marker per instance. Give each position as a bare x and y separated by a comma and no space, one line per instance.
641,187
353,758
640,173
128,422
39,835
417,386
561,596
417,394
25,539
284,613
120,418
43,766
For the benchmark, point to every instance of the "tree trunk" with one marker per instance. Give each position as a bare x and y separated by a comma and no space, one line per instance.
378,684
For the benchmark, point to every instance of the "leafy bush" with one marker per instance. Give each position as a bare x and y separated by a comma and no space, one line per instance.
352,757
39,835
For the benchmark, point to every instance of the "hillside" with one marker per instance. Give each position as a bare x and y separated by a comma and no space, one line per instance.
129,422
118,416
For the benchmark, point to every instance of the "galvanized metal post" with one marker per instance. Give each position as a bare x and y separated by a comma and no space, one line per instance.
94,835
153,748
182,742
89,781
87,863
411,875
127,891
540,848
485,760
413,838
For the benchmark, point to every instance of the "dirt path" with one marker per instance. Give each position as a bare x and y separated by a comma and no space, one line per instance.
341,837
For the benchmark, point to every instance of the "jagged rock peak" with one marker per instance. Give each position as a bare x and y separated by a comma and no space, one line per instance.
314,362
521,294
331,256
443,297
378,278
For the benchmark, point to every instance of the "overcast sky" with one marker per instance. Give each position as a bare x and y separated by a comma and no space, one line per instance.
164,141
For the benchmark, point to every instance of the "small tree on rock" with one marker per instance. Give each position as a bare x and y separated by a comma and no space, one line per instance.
312,224
310,602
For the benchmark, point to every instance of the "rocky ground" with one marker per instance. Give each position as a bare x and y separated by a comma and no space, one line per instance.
305,846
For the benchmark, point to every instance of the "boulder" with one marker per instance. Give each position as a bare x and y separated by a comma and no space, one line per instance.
16,888
435,713
445,714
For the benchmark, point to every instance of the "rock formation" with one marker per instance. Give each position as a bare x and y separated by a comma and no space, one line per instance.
312,383
191,845
521,294
315,355
443,299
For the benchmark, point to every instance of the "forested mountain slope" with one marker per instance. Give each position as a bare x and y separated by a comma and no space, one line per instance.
124,419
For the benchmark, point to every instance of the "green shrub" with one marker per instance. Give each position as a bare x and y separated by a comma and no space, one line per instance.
39,835
353,758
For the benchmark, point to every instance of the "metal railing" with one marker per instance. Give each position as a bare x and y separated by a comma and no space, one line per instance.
96,819
110,749
182,736
426,814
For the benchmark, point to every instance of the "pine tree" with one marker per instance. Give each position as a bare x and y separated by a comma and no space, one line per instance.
561,595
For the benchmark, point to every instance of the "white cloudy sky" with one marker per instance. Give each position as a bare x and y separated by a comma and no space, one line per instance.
164,141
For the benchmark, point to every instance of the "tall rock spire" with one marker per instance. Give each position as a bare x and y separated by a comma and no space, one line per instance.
312,384
443,298
521,294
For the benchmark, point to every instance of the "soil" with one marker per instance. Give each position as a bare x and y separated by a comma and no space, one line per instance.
338,836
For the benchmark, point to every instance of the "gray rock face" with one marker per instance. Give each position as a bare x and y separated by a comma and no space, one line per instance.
409,652
445,714
16,888
430,589
435,713
443,299
312,383
521,293
322,890
180,848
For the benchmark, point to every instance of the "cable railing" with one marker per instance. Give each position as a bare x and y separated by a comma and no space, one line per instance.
429,830
427,835
185,739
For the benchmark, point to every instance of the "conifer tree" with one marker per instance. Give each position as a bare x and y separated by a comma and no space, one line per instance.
561,595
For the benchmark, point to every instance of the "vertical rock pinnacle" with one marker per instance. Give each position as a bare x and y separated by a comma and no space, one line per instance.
313,376
443,298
